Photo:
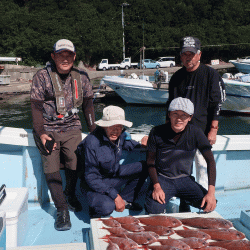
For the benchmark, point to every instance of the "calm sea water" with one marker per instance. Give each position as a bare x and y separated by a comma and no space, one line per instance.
15,112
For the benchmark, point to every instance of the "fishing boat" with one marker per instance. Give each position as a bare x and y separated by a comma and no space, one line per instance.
237,92
242,64
27,214
144,90
137,89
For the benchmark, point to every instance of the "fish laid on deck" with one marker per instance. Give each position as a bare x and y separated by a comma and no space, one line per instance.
224,234
186,233
113,246
160,230
133,227
199,222
165,247
110,222
212,248
166,221
195,242
232,244
124,243
142,238
126,220
174,243
118,231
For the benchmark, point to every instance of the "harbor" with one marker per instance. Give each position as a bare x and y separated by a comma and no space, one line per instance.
21,77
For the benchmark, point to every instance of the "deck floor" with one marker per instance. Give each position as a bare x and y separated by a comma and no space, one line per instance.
41,220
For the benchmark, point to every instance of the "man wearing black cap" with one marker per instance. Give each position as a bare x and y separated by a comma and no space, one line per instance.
205,88
56,93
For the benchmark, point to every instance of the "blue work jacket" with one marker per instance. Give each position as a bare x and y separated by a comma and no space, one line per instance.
102,157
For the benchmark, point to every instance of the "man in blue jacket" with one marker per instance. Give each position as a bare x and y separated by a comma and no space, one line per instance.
111,186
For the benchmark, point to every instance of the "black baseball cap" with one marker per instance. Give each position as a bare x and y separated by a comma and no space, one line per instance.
190,43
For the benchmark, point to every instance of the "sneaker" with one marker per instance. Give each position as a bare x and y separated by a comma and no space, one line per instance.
62,222
73,204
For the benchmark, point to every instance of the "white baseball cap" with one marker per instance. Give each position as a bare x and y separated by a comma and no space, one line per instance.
64,44
113,115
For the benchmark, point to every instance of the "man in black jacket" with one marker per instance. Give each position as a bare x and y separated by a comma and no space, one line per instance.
205,88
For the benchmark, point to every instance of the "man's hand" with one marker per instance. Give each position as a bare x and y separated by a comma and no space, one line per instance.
144,141
212,136
209,200
44,138
158,194
119,204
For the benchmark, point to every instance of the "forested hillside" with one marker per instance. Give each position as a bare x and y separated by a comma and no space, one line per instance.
29,28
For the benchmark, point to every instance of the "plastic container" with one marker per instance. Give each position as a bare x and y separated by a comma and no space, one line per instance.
2,230
15,206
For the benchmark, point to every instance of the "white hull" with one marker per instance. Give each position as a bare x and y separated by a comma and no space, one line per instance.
237,96
139,91
241,65
136,91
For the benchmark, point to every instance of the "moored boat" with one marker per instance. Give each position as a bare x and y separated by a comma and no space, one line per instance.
143,91
242,64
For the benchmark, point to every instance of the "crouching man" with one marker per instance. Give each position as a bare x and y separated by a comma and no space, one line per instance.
110,185
171,150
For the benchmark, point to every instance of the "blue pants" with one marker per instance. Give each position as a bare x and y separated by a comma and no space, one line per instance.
128,185
185,188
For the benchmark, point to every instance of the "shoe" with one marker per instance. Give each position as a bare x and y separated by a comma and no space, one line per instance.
136,207
62,222
133,206
73,204
184,207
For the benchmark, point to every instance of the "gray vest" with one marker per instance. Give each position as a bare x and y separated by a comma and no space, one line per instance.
58,89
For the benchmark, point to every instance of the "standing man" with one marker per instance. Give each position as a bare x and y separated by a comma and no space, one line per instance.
56,93
205,88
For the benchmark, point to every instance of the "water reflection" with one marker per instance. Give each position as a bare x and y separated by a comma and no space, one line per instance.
15,112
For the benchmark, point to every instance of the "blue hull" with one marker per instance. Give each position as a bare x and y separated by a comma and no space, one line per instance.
21,167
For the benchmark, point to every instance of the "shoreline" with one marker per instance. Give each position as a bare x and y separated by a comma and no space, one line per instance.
22,84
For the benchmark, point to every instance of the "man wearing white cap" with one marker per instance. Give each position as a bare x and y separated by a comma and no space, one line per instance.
105,175
171,150
57,92
205,88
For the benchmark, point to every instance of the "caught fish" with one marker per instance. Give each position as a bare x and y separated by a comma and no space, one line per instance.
186,233
207,223
195,242
161,220
232,244
110,222
212,248
164,247
174,243
160,230
142,238
224,234
154,234
133,227
126,220
124,243
118,231
113,246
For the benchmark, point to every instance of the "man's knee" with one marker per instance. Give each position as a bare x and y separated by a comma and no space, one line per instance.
154,207
101,207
